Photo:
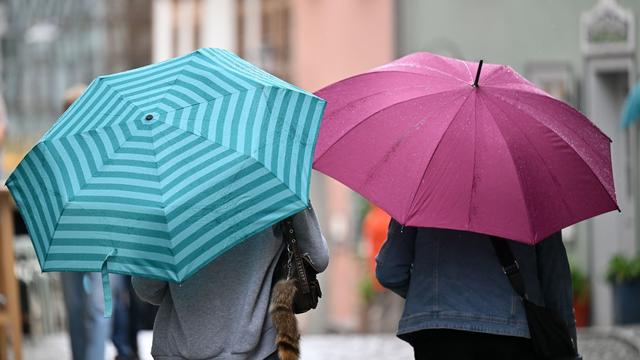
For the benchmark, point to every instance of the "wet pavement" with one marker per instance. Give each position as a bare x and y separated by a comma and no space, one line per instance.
593,344
615,343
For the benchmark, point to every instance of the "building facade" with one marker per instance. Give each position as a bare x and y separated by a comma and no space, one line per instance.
582,51
310,44
48,46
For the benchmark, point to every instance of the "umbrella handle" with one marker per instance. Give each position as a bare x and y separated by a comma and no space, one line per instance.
106,285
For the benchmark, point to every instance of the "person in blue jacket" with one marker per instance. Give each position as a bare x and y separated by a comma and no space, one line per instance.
459,303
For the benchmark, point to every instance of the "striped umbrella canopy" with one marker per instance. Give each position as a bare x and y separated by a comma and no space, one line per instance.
158,170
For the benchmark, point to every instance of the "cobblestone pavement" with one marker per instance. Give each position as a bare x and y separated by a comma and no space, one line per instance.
619,343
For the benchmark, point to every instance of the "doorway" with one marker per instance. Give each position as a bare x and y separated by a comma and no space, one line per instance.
607,82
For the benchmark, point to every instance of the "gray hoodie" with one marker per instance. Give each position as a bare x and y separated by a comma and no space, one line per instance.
222,311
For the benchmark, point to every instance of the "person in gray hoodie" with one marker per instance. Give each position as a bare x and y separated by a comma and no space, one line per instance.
221,312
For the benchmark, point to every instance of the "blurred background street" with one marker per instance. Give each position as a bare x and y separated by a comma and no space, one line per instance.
602,344
584,52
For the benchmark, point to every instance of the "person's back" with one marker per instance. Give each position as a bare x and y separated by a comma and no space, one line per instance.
222,311
453,281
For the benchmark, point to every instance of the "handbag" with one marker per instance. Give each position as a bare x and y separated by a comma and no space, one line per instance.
550,335
292,264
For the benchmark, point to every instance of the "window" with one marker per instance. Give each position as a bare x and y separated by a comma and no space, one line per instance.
264,34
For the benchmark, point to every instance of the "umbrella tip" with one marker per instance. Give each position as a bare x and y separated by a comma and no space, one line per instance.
475,83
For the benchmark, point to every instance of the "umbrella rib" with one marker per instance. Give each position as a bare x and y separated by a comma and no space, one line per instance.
572,149
71,197
270,112
240,88
370,73
392,65
490,74
264,78
213,142
554,100
475,156
171,86
231,149
526,207
570,146
84,131
551,174
73,128
466,67
377,112
215,99
327,115
46,254
166,221
415,193
121,95
559,103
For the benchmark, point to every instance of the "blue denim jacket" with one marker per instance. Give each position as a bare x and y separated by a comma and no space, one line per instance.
453,280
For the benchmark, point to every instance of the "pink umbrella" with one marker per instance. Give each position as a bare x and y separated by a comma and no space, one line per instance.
434,148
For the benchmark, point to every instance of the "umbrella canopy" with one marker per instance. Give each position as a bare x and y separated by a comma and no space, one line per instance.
156,171
418,138
631,109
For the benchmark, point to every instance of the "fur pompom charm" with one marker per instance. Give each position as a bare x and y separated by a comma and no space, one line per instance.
284,320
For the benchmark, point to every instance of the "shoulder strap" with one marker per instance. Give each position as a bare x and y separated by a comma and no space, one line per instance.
297,263
509,265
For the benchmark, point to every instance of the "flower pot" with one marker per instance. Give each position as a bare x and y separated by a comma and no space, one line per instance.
626,302
581,309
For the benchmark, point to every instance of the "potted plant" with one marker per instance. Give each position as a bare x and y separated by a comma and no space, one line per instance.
624,275
581,303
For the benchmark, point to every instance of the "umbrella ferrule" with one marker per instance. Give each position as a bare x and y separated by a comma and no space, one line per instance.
475,83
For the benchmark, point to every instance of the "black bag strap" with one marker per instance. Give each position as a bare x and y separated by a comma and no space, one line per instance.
295,258
509,265
511,268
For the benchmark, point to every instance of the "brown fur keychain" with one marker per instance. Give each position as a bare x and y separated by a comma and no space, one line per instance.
284,320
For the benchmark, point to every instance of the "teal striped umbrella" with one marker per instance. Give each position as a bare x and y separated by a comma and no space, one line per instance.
631,109
156,171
